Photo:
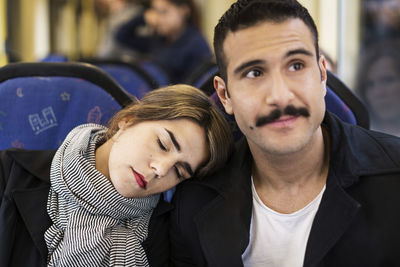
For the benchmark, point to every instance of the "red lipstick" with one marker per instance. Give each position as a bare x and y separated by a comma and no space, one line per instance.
140,180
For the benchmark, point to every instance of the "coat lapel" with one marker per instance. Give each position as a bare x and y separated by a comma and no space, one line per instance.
32,205
335,214
223,226
31,194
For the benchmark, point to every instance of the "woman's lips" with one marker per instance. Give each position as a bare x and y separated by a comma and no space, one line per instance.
140,180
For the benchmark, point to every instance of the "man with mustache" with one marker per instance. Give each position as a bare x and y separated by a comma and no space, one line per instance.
302,188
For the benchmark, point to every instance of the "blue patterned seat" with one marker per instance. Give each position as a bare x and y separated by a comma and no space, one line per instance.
157,72
202,74
129,74
41,102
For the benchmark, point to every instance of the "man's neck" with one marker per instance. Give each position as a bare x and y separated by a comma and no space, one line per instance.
287,183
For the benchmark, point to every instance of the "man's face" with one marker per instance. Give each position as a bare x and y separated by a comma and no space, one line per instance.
271,66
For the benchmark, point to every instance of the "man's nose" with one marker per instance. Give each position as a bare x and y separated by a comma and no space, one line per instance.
279,92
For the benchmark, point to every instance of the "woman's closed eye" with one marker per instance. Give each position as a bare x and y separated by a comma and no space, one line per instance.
161,145
178,174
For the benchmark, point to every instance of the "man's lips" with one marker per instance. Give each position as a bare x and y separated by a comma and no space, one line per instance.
140,180
283,123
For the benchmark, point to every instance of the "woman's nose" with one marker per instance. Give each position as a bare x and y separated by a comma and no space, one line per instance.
162,167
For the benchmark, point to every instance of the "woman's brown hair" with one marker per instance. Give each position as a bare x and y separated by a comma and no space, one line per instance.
182,102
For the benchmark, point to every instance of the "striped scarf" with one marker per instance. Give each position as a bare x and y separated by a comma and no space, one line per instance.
93,225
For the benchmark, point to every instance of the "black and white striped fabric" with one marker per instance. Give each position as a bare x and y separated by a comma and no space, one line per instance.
93,225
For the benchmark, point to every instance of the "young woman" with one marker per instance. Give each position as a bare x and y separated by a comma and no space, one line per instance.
174,41
104,203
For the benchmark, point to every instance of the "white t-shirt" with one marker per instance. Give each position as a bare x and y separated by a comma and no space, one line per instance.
278,239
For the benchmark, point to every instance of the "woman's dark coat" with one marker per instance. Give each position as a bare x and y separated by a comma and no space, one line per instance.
24,187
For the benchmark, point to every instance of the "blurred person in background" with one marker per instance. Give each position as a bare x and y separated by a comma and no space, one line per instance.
381,20
379,85
168,33
116,13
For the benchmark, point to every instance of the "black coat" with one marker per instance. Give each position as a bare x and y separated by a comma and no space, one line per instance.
357,223
24,188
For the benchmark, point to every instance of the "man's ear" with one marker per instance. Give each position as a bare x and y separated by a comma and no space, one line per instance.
324,74
223,94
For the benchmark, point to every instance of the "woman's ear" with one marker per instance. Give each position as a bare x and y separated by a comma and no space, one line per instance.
122,125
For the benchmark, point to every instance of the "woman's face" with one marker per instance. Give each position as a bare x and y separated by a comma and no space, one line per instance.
383,89
153,156
170,19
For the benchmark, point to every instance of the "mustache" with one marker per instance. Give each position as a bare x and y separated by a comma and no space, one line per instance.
277,113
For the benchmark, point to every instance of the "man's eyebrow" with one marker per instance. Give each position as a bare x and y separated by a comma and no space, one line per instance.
173,139
299,51
248,64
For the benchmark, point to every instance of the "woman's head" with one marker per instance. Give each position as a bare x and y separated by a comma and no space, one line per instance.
172,16
173,131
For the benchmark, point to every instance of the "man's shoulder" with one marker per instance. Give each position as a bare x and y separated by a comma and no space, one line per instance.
369,152
380,144
197,192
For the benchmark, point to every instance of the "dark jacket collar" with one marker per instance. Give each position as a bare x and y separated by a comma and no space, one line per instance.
223,226
357,152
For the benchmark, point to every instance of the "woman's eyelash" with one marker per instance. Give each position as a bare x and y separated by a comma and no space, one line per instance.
161,145
180,177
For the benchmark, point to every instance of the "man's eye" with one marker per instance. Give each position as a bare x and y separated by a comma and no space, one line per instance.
253,74
161,145
296,66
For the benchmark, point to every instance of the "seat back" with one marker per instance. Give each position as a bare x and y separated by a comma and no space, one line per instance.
157,72
341,101
129,74
202,74
41,102
54,58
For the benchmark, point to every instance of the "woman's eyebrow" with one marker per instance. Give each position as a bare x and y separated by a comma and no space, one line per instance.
173,139
178,147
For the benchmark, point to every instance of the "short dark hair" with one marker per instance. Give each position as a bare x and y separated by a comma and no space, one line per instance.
246,13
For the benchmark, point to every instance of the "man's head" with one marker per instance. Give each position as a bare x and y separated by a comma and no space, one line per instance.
247,13
275,79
